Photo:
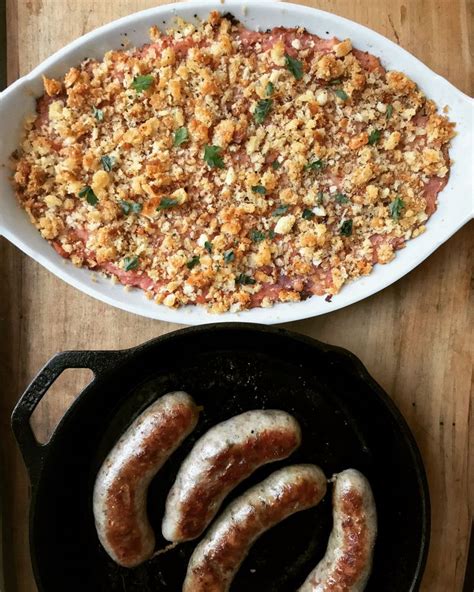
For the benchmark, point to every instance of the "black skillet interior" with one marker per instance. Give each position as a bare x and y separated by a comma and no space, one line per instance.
347,421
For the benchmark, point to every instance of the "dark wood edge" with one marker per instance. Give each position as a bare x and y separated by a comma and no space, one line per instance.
3,44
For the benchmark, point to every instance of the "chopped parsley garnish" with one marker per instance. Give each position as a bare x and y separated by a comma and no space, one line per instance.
98,114
90,196
229,256
269,89
212,155
341,94
308,214
271,233
389,111
320,197
374,136
280,210
336,81
262,110
256,235
245,280
107,162
276,165
346,228
141,83
166,203
315,165
259,189
130,207
208,246
294,66
192,262
130,263
180,136
341,198
396,207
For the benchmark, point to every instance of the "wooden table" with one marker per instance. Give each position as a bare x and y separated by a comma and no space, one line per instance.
415,337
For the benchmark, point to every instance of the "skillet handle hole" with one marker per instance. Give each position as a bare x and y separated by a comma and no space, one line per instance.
60,396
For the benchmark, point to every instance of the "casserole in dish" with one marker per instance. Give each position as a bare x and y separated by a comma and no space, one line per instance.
453,209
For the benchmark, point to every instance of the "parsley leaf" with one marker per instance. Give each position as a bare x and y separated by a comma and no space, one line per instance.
180,136
212,155
276,165
192,262
259,189
229,256
396,207
271,233
262,110
130,207
245,280
389,111
320,197
166,203
341,94
270,89
256,235
315,165
341,198
346,228
141,83
280,210
107,162
90,196
208,246
335,81
130,263
374,137
98,114
308,214
294,66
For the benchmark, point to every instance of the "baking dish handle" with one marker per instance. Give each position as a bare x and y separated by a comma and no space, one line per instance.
32,451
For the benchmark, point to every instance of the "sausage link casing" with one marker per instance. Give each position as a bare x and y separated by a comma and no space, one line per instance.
120,490
218,556
348,560
223,457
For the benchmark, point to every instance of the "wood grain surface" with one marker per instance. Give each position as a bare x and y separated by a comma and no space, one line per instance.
415,337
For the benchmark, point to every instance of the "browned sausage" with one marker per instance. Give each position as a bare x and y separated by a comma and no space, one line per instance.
218,556
121,486
222,458
348,560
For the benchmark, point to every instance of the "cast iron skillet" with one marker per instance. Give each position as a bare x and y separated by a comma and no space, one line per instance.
347,421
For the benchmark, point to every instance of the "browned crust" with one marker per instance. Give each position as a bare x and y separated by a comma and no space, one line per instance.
356,548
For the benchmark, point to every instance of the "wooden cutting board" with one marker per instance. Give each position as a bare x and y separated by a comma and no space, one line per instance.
415,337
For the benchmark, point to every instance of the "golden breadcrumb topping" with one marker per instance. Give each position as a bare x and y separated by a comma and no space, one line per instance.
232,168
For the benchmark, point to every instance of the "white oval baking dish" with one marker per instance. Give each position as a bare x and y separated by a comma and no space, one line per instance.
455,202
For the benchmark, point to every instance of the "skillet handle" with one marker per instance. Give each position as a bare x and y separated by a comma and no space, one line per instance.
32,451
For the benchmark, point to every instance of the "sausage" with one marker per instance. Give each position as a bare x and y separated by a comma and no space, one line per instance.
218,556
223,457
120,490
348,560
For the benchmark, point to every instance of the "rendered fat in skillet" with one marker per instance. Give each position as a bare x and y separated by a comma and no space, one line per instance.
223,457
348,560
120,490
219,555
